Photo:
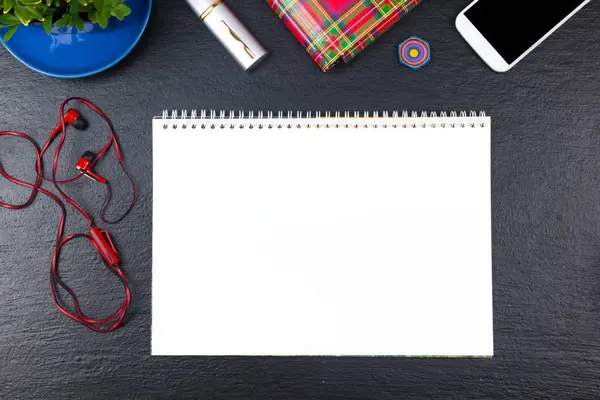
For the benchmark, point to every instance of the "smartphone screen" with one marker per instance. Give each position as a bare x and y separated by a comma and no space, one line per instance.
513,26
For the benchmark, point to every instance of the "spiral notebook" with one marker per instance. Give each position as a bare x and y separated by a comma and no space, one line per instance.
322,234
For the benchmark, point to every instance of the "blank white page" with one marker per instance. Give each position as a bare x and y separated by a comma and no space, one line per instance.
314,241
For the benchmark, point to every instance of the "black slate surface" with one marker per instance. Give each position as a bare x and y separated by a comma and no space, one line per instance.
546,212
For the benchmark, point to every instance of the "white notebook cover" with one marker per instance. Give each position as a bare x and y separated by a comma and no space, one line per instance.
315,241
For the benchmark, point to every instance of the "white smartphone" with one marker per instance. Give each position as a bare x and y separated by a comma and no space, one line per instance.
504,32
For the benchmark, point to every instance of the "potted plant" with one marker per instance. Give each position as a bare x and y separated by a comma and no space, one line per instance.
59,14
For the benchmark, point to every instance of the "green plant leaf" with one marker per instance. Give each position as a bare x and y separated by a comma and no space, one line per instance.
48,23
9,19
30,2
27,14
10,33
64,21
8,5
60,13
120,12
102,19
42,8
74,7
92,16
35,14
22,14
78,23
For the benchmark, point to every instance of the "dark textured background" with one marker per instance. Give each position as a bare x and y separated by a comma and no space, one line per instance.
546,211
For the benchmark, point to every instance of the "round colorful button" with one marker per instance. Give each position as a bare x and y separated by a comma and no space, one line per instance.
414,52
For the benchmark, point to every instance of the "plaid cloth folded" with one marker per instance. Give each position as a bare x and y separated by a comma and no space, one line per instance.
332,30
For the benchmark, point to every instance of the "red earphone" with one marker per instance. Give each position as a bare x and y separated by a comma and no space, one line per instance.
99,239
72,117
84,165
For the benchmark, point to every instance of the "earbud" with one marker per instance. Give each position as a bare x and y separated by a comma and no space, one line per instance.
73,118
84,165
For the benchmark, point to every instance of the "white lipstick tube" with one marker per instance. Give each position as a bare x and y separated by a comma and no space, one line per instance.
223,23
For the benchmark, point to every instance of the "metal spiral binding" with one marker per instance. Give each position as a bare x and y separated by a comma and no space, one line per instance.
210,119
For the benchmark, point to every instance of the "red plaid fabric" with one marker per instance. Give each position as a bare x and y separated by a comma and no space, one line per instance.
332,30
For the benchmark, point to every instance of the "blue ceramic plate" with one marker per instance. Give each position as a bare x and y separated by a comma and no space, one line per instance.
74,54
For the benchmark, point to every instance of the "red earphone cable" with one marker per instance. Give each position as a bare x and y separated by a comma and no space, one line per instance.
116,319
112,141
